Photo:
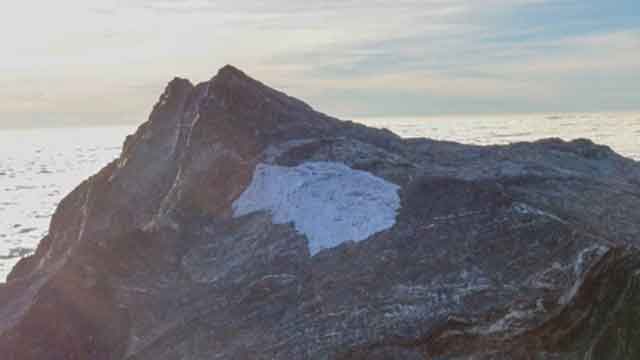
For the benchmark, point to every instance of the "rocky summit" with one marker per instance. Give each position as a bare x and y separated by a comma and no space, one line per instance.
239,223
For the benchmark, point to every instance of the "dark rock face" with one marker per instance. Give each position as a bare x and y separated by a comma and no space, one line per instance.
524,251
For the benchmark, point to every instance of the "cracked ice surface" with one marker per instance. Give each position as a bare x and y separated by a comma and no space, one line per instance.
328,202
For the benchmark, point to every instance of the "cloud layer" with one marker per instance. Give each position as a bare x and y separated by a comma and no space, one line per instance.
106,61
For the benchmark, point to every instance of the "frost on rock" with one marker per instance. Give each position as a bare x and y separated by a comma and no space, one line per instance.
328,202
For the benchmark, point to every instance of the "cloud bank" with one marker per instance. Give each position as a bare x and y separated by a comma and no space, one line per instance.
106,61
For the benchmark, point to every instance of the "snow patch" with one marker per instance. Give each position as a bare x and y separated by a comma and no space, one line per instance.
585,259
328,202
526,209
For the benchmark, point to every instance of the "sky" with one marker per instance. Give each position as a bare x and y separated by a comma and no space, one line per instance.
92,62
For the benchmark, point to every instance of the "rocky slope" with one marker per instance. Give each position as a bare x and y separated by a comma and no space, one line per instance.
239,223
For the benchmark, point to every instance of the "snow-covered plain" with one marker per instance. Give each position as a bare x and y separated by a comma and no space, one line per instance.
328,202
38,167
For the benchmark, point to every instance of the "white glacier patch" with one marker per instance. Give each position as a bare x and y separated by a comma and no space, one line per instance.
328,202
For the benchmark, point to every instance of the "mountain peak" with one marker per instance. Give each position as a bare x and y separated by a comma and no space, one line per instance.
230,70
233,88
340,241
230,76
178,84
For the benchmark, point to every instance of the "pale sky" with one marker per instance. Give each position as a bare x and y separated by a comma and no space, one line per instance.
107,61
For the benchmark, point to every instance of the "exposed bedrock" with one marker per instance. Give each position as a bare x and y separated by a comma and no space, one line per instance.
239,223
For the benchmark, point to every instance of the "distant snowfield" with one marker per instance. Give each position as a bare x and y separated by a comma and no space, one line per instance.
329,203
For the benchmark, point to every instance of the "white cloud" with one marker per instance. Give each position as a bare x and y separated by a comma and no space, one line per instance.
83,51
